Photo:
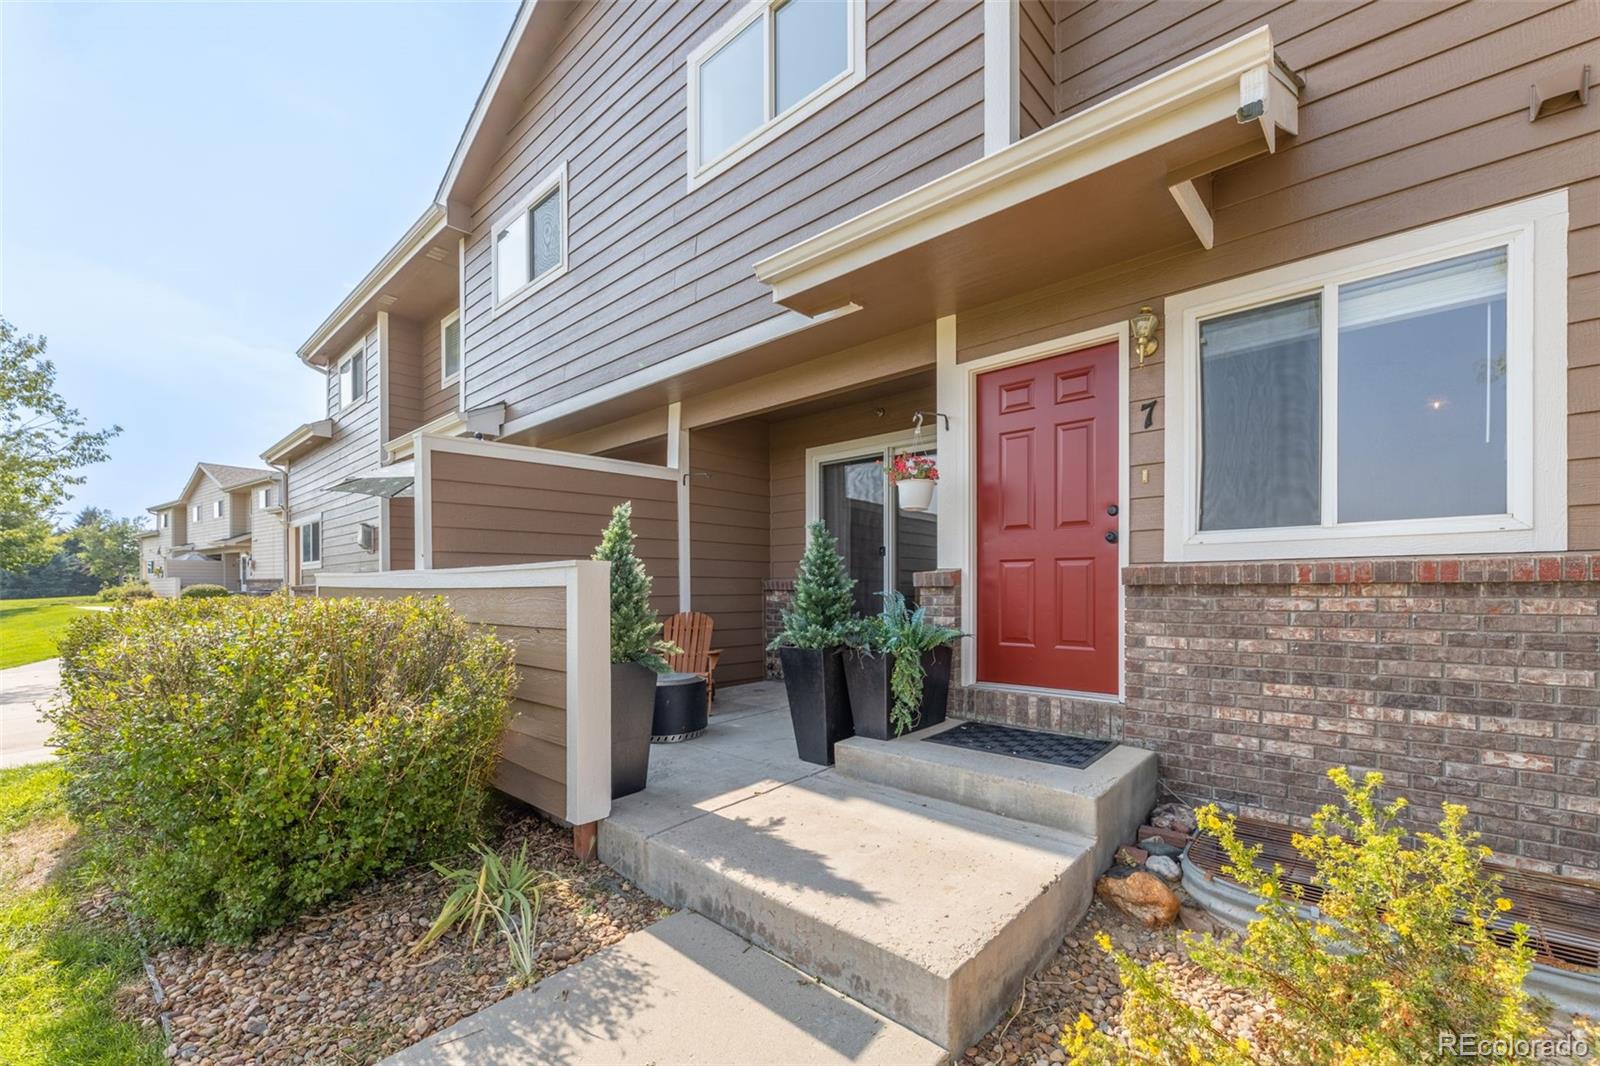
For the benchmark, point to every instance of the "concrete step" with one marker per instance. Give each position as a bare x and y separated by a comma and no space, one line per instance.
928,911
682,991
1105,802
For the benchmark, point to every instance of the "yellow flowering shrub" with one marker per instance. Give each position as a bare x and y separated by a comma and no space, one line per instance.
1399,951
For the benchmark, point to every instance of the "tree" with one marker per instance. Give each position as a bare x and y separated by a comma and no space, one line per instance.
635,625
43,445
106,547
824,601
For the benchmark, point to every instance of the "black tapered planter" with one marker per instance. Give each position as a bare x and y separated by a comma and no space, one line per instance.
633,705
818,704
867,678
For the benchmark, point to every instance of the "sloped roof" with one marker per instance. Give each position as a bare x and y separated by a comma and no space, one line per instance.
228,477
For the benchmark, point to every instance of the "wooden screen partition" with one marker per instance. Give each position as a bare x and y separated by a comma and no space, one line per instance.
556,751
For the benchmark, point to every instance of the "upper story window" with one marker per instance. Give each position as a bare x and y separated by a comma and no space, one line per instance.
194,512
450,348
530,241
353,377
216,508
266,497
1400,397
166,519
773,64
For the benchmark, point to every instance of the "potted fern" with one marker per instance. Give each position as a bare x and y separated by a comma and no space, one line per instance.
637,655
897,671
811,644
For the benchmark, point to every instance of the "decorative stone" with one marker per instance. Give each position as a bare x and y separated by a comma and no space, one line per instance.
1197,920
1165,868
1175,816
1128,855
1142,896
1157,846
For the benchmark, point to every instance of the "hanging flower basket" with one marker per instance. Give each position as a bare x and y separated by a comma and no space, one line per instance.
914,478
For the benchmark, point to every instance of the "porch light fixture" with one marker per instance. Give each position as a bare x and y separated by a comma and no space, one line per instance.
1143,327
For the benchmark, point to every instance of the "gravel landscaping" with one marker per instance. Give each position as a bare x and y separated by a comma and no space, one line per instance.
1082,978
340,986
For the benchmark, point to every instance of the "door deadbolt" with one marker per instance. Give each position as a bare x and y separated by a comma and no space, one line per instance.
1111,537
1112,510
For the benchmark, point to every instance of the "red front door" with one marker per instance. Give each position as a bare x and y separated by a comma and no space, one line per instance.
1047,528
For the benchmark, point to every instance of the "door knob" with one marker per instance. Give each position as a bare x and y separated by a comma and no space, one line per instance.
1111,537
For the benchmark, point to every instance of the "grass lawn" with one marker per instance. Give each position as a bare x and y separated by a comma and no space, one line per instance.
58,970
29,628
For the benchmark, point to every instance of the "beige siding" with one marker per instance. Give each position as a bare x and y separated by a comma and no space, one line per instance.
533,751
353,448
730,522
657,270
1412,113
490,511
267,540
208,529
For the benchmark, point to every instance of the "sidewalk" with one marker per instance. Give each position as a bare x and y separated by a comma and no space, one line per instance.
24,692
685,990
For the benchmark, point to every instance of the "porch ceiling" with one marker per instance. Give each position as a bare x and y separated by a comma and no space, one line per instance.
1125,177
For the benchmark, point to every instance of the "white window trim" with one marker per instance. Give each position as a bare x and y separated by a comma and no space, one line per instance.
358,352
444,324
194,513
322,537
878,447
854,74
556,177
166,519
1534,233
216,508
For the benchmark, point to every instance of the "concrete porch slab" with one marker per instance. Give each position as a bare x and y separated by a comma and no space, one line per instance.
1105,801
928,911
682,991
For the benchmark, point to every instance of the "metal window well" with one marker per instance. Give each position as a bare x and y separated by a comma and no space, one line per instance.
1057,749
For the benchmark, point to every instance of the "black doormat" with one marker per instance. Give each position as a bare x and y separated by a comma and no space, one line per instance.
1055,748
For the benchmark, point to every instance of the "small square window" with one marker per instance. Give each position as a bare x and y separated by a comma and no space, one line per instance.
530,241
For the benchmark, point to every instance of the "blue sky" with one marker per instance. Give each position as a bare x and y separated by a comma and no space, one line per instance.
189,189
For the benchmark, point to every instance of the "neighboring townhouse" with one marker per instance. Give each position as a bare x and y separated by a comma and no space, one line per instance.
1258,346
226,528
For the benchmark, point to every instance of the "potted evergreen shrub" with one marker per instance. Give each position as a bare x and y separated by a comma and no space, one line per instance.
897,671
811,646
637,655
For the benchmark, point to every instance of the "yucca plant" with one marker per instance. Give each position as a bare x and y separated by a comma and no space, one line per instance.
511,891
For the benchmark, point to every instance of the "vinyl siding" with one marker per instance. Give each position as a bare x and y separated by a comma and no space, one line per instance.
353,448
1036,62
206,529
730,520
416,396
657,270
1412,113
267,540
490,511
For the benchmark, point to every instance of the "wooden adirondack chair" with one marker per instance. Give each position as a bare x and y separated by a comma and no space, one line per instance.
691,631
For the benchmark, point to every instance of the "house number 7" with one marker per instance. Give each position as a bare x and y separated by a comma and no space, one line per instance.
1149,409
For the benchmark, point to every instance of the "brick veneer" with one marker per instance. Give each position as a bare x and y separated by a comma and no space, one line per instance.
1472,680
776,596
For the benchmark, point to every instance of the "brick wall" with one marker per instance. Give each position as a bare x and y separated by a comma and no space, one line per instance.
776,595
1473,680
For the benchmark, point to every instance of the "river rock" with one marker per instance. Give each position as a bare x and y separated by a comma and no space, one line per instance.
1174,816
1142,896
1165,868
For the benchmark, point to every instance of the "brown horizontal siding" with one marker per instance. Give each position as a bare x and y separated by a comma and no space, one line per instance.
1036,62
405,383
657,269
533,754
491,511
1411,114
730,522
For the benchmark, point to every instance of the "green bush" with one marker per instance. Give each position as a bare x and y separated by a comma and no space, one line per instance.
203,591
1401,950
241,760
822,612
127,591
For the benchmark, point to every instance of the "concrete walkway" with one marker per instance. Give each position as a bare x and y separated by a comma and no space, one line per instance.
685,990
24,692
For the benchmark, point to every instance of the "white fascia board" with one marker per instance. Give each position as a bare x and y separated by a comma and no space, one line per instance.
423,231
1196,94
